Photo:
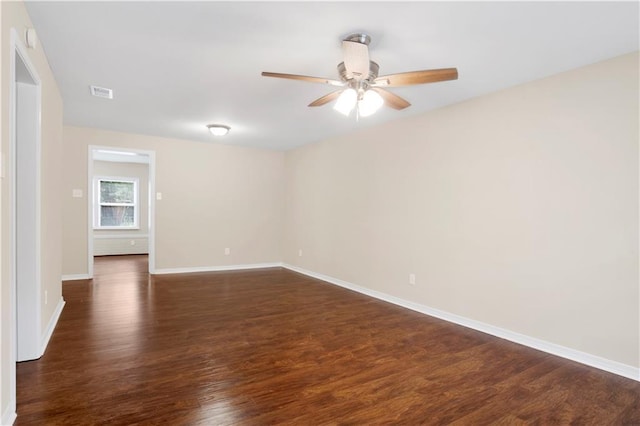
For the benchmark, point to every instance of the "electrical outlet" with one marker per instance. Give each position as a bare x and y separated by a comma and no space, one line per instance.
227,251
412,279
300,253
132,242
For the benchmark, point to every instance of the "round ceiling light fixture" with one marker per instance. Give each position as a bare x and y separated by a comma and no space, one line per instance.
218,129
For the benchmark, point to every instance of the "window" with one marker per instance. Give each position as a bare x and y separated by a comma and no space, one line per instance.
116,204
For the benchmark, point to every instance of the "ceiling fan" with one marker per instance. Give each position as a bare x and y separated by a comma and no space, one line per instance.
361,87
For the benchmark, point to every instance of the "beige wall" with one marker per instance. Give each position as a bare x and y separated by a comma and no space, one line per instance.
214,196
518,209
14,15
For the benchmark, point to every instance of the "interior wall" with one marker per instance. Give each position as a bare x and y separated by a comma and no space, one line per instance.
214,196
14,15
117,241
518,209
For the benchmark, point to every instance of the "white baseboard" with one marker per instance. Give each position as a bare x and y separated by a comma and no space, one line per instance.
51,326
74,277
163,271
9,415
532,342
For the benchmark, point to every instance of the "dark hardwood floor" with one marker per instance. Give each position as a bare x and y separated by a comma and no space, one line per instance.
274,347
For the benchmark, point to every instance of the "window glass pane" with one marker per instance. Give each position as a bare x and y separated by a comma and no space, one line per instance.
116,192
116,216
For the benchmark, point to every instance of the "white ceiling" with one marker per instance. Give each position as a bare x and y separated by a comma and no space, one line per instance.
176,66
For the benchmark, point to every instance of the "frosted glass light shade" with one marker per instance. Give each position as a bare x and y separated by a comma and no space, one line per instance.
218,129
346,101
371,102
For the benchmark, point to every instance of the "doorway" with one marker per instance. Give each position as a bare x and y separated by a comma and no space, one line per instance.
121,199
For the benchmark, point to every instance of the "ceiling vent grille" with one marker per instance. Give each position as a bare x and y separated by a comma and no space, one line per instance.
101,92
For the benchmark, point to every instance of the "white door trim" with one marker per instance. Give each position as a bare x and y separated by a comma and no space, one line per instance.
152,203
32,304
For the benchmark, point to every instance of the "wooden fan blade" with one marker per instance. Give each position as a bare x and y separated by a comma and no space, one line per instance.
417,77
325,99
391,99
303,78
356,58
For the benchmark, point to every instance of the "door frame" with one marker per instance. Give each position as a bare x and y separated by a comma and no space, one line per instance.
32,304
152,203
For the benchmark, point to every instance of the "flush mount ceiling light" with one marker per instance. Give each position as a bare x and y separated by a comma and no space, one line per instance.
218,129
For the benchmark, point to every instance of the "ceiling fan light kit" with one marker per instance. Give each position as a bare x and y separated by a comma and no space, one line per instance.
364,91
346,101
370,103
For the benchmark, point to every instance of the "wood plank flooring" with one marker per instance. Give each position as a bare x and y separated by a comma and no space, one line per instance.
271,346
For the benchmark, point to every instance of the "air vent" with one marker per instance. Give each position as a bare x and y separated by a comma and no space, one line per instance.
101,92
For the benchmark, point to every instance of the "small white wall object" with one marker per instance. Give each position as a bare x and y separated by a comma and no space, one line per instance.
31,38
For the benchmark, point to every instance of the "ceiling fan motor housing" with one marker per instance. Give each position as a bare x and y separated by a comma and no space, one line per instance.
373,72
359,38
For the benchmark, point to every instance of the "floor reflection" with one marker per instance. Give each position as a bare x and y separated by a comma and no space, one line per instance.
118,309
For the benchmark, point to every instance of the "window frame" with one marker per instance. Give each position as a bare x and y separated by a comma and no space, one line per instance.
97,204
